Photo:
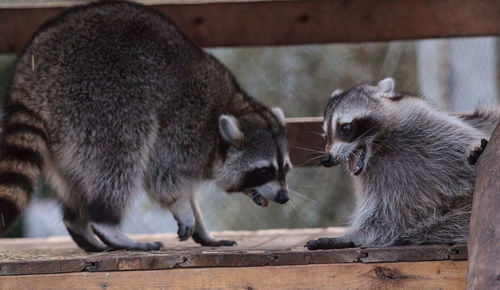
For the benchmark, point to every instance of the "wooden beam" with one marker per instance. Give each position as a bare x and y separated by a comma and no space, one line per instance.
199,257
420,275
285,22
484,236
278,247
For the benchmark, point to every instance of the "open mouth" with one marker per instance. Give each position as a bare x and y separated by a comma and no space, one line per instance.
357,160
259,199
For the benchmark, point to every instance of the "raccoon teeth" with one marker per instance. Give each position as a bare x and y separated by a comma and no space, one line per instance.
259,200
357,161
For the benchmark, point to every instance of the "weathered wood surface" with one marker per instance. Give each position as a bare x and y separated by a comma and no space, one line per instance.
484,236
255,249
423,275
284,22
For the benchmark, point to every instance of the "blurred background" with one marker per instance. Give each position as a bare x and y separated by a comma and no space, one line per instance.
455,74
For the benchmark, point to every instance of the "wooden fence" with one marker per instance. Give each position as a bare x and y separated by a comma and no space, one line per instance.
289,22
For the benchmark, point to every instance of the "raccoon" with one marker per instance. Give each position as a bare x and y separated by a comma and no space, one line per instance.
412,178
110,98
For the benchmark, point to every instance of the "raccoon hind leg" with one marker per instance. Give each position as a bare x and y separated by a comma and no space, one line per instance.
106,210
74,212
109,170
113,237
79,230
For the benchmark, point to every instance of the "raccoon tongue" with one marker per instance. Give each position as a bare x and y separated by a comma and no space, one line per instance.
264,202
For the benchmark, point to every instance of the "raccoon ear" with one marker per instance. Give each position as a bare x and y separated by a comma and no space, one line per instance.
385,87
229,130
279,115
336,93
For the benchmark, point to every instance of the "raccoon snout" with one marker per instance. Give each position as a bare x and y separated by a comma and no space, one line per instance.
328,160
282,196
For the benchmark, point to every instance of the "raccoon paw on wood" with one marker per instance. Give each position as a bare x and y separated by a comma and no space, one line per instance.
329,243
212,242
185,231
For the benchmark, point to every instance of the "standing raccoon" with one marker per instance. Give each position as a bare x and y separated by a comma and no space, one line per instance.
413,181
109,98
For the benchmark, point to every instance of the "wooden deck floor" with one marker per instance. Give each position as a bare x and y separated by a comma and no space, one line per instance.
263,259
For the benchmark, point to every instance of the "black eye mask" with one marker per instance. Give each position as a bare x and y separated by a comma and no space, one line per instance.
258,177
350,132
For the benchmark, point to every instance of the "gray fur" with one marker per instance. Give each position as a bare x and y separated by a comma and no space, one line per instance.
483,118
416,186
129,102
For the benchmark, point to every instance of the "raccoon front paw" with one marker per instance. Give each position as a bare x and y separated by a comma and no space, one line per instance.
185,231
474,154
147,246
208,242
328,243
218,243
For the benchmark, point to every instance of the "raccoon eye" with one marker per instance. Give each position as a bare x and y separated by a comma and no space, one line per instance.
265,171
345,128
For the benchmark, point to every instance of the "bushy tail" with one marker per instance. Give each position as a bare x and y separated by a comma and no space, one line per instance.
23,146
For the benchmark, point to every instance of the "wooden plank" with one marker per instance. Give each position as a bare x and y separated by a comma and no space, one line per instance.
221,257
421,275
36,256
285,22
484,236
413,253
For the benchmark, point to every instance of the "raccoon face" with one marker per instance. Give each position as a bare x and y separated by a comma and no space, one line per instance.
254,158
352,120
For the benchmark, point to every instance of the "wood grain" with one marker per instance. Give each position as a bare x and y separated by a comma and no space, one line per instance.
255,249
484,236
251,23
421,275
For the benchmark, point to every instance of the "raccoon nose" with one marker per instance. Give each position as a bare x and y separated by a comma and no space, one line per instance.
327,160
282,196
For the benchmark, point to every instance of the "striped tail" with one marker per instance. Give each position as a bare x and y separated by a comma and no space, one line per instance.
23,146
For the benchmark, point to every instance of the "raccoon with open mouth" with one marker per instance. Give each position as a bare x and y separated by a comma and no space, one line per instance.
410,162
112,97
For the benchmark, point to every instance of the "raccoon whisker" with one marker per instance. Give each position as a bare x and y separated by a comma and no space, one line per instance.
367,131
320,133
315,132
254,215
316,157
312,153
267,191
308,149
296,207
323,136
303,196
